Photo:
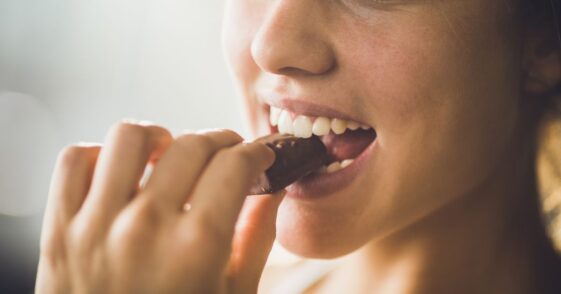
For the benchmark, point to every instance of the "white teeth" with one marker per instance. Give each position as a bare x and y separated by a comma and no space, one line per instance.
285,123
274,115
333,167
353,125
338,126
302,127
346,162
321,126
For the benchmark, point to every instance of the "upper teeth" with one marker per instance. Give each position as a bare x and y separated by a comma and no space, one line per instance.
304,126
285,123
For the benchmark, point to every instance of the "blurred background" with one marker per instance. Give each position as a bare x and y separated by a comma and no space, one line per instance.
70,69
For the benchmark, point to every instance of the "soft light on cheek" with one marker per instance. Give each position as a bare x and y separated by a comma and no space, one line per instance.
242,21
244,73
397,87
391,65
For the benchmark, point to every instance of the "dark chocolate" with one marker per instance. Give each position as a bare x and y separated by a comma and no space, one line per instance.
295,158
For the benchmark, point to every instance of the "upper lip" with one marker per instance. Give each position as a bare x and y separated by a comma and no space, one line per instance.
305,107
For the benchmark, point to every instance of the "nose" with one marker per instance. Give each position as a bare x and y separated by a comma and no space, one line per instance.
293,40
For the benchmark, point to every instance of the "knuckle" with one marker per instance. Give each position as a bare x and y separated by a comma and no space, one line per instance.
233,134
72,156
225,155
195,140
245,155
81,238
235,159
205,230
134,226
129,133
52,245
242,158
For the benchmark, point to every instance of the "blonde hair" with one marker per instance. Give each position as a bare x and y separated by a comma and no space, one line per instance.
548,169
546,15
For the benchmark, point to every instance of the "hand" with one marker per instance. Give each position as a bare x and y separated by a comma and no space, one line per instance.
103,233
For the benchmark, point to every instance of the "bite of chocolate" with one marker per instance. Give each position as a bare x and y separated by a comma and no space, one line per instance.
295,158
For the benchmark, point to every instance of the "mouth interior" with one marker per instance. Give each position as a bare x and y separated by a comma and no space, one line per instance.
348,145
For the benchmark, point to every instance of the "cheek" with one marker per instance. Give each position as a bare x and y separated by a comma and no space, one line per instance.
238,29
326,232
240,23
445,111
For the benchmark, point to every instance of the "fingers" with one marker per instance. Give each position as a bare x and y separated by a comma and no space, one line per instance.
71,179
122,161
253,240
91,186
223,186
69,186
175,175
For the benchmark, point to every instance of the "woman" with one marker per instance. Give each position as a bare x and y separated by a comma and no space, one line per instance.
434,108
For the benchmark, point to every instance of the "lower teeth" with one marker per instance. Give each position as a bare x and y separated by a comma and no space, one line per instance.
337,165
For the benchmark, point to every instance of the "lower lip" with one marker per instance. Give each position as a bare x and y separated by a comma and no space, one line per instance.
317,186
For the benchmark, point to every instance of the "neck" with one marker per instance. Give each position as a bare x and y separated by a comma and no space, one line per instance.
490,241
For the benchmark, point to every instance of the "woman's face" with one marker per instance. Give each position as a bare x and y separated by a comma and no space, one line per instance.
437,80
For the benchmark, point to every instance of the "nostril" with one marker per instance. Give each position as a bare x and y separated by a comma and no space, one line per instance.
294,61
292,71
294,48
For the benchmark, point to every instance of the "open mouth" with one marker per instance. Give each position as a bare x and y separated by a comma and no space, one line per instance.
344,139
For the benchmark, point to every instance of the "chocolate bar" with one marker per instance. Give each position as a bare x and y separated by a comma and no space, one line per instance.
295,158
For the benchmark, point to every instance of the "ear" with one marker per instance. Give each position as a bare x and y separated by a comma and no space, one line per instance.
542,62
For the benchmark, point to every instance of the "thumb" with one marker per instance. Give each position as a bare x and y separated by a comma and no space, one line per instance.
253,239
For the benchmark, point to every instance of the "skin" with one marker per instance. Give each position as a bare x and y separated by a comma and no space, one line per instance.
402,86
103,233
447,204
455,123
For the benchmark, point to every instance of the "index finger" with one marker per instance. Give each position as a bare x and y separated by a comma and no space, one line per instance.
220,193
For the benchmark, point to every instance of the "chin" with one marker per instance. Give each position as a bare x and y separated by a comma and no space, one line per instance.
311,234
